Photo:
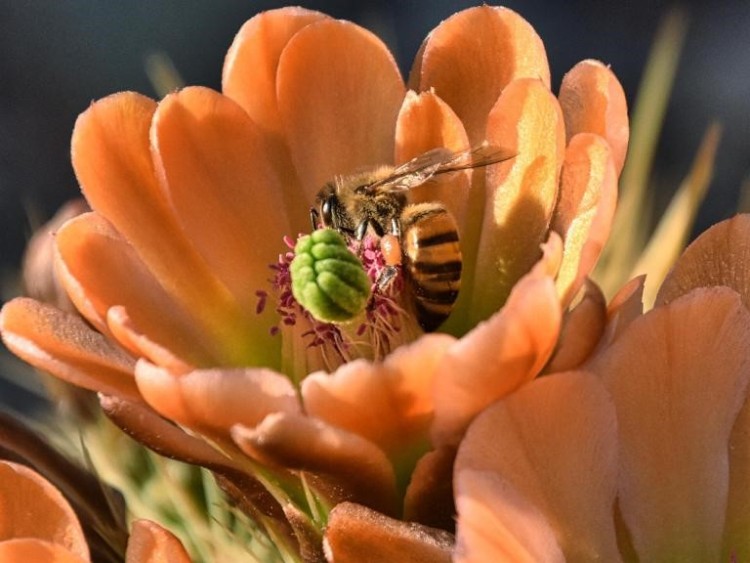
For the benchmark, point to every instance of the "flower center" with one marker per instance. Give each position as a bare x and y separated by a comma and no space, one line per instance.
311,344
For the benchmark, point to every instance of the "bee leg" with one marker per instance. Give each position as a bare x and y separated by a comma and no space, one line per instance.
396,227
361,229
314,218
359,233
386,277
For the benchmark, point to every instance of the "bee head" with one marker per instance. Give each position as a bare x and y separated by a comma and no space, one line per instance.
329,211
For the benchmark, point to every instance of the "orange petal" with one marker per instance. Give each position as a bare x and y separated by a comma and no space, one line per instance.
249,78
31,549
132,337
112,160
150,543
92,499
224,191
40,281
549,264
496,523
521,193
307,535
249,74
389,403
339,92
355,534
738,512
426,122
429,496
719,256
357,467
143,424
216,399
581,330
30,507
472,56
66,347
147,427
593,101
545,442
624,308
584,212
94,262
497,357
678,377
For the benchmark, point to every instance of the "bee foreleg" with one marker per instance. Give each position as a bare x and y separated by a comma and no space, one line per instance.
361,229
314,218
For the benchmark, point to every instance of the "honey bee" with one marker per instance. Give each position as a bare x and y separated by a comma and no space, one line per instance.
420,237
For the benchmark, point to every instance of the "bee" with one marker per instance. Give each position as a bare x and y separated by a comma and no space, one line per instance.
422,238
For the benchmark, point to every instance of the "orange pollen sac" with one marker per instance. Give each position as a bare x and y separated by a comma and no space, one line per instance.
391,250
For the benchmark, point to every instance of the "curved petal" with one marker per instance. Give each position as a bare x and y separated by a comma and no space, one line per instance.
554,442
150,543
736,545
429,496
132,337
95,261
112,160
521,193
623,309
144,425
497,357
339,91
496,523
356,533
426,122
584,212
249,78
389,403
250,67
357,467
216,399
472,56
581,331
678,377
40,280
593,101
215,168
32,549
30,507
719,256
91,499
63,345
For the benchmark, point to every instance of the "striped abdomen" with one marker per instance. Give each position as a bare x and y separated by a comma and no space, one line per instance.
432,261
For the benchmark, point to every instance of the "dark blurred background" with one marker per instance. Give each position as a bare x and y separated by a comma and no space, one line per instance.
58,56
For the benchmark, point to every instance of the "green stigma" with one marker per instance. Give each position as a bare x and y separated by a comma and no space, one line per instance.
328,280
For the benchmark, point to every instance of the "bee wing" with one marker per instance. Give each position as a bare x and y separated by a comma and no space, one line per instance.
479,156
414,172
438,161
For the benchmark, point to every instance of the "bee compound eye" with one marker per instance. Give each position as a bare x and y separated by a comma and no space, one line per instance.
326,211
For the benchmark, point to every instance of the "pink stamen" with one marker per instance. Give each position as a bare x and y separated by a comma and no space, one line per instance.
382,311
